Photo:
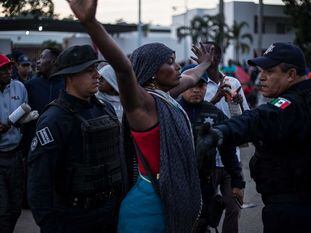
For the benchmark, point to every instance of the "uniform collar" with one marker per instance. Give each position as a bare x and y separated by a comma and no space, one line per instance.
77,102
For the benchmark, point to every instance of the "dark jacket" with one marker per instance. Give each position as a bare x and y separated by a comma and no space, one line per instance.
205,112
280,131
58,138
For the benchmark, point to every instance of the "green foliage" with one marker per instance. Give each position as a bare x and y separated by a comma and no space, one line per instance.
34,8
204,28
240,44
300,12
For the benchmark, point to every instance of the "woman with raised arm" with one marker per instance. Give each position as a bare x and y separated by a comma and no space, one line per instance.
159,127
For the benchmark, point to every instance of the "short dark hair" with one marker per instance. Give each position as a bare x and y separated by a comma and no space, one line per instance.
285,67
54,51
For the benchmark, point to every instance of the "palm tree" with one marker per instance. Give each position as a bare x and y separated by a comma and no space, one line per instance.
236,35
205,28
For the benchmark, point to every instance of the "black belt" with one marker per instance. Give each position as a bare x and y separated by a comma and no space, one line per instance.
86,202
288,197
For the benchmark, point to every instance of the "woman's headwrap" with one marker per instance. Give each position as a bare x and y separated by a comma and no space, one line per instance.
147,59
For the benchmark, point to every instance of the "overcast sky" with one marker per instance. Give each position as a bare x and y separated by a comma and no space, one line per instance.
153,11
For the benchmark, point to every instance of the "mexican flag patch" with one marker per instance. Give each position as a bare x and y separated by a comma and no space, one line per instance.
280,102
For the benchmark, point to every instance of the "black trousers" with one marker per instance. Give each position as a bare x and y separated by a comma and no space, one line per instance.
287,217
11,189
82,220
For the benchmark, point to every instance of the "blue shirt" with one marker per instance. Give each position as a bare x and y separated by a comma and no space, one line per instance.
13,95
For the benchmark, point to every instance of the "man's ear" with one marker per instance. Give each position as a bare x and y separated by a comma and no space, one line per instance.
292,75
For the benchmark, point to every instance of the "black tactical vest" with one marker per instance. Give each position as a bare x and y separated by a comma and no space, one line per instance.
100,168
285,168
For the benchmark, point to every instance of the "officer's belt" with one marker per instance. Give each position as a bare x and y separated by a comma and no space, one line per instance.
86,202
289,197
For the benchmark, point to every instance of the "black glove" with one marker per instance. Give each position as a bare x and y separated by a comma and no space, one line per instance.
208,140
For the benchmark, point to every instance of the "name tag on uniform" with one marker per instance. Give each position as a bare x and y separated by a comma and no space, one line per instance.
45,137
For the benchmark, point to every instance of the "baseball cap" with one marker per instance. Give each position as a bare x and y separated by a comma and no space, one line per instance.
23,59
4,60
75,59
204,77
280,53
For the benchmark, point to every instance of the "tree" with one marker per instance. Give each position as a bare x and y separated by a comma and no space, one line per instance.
205,28
35,8
239,39
300,12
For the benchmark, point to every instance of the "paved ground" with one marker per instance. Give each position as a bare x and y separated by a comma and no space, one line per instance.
250,221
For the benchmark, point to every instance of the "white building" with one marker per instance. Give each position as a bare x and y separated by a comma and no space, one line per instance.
276,25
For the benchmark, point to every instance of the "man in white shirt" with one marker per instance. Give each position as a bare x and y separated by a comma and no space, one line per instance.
219,87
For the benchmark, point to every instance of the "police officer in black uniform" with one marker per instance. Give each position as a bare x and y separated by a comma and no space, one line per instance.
280,131
74,163
202,113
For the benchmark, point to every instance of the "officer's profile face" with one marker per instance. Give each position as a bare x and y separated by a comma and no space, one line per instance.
196,94
273,81
84,84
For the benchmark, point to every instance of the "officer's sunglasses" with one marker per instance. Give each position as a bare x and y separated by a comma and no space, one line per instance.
6,69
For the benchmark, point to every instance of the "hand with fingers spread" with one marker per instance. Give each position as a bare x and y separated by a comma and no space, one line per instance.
223,91
236,97
84,10
202,54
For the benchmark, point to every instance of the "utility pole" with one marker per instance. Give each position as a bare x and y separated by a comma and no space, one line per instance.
139,25
221,24
186,37
259,27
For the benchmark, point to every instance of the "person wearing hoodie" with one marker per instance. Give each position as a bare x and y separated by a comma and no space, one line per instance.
108,89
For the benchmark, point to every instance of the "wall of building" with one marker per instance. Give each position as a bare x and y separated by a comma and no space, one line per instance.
246,11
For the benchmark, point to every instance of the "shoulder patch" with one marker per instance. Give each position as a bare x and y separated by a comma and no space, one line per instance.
34,143
45,137
280,102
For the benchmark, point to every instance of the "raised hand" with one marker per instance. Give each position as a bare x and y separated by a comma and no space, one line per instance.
223,91
202,55
84,10
236,97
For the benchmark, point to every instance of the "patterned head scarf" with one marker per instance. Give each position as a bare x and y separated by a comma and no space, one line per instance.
147,59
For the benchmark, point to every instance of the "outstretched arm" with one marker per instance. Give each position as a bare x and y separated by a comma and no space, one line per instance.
191,77
132,95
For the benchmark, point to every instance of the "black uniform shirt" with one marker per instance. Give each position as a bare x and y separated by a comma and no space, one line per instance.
280,131
277,124
205,112
58,132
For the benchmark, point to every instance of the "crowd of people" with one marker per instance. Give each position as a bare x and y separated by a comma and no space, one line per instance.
140,144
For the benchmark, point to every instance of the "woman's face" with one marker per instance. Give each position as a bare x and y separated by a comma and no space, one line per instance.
167,77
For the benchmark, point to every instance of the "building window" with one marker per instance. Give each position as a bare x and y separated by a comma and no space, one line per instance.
280,28
256,25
